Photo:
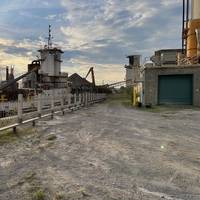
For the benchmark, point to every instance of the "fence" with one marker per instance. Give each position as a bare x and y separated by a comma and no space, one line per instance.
14,114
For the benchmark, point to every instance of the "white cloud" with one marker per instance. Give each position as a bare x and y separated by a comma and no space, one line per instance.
95,32
89,22
171,2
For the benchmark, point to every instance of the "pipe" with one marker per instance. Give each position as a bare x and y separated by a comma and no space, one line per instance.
183,28
187,13
7,73
12,71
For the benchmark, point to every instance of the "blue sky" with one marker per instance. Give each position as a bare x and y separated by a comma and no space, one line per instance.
97,33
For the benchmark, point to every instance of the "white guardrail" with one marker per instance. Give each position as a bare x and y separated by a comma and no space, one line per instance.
14,114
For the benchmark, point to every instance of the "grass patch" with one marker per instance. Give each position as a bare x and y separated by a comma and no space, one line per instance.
123,97
38,195
60,196
51,137
8,136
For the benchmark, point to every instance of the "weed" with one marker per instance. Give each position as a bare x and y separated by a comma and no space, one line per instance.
51,137
39,195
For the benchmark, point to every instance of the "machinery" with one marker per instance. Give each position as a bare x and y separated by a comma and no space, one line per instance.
9,88
191,30
91,70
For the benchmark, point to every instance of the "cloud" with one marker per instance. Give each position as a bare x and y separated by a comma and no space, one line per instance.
91,32
171,2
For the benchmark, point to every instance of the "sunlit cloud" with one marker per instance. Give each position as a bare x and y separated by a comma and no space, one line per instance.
98,33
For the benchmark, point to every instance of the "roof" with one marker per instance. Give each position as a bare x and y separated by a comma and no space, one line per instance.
133,56
51,50
128,67
169,50
78,81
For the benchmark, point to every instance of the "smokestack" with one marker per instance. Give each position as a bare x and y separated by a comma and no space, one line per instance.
12,71
7,73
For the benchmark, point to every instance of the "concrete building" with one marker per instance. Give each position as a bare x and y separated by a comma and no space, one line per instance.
49,75
176,79
79,83
133,69
172,84
50,61
166,57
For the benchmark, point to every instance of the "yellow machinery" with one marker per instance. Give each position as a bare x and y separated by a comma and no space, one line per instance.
137,94
3,98
193,29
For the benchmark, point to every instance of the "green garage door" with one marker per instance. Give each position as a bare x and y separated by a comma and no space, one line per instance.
175,89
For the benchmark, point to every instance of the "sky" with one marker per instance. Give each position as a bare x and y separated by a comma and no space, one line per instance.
92,33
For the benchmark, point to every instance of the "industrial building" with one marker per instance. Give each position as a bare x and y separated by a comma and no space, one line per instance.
133,69
48,74
166,57
173,76
134,78
172,84
79,83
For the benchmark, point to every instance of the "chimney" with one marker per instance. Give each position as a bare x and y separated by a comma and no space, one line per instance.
7,73
12,71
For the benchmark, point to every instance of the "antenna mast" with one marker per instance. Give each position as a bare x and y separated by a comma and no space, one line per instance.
50,38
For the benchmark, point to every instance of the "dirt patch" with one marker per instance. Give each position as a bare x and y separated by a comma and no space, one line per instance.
105,152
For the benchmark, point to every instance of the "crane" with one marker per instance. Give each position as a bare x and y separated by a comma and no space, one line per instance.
91,70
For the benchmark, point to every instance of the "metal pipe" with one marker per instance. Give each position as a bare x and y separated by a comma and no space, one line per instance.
183,28
187,13
187,22
7,73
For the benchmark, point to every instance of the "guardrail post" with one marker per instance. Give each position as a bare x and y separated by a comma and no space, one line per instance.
89,95
92,97
52,106
39,105
80,99
69,100
75,99
86,98
62,106
20,108
95,97
15,129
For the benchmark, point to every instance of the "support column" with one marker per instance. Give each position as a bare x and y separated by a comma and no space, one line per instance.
52,105
39,105
86,99
62,105
80,99
20,108
69,99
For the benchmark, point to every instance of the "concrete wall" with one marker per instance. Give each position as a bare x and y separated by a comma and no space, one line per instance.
151,81
129,73
51,64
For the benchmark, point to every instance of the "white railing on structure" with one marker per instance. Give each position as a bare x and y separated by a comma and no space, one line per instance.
21,111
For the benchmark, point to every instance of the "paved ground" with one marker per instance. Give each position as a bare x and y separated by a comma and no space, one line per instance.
105,152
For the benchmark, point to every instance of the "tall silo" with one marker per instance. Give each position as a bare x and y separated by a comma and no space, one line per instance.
194,30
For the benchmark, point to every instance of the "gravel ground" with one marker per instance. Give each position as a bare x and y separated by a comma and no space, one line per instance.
105,152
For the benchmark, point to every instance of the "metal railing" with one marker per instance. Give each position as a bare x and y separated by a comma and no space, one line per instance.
14,114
